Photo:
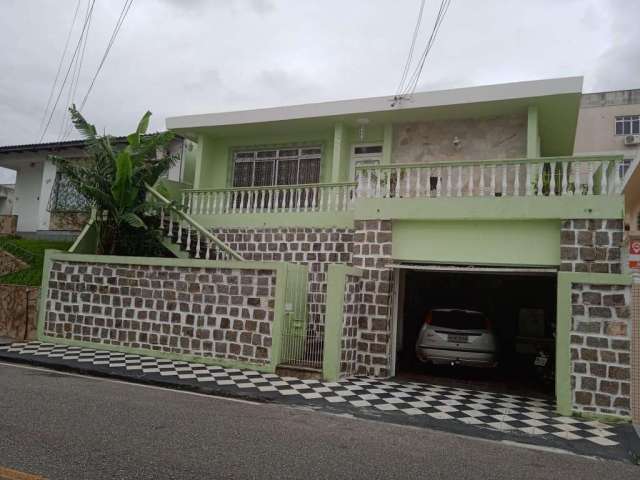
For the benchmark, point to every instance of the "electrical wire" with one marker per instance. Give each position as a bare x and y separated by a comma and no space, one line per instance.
410,86
407,65
66,124
116,30
415,77
60,63
64,81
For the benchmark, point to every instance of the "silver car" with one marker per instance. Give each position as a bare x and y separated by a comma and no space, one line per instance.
457,337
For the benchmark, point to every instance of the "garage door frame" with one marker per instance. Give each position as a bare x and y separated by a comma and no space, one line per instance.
398,295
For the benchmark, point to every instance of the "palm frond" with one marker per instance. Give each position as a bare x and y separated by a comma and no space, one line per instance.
87,130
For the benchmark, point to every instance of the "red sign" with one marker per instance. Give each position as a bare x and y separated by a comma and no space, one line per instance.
634,254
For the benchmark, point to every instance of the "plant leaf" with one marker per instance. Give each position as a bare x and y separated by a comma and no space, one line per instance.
123,189
87,130
135,138
133,220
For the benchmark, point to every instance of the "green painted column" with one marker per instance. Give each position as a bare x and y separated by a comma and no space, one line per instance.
339,138
387,144
336,282
199,158
533,136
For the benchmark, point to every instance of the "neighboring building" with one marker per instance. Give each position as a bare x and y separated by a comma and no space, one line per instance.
609,123
45,203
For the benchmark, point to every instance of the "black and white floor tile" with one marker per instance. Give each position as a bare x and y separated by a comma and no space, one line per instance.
500,412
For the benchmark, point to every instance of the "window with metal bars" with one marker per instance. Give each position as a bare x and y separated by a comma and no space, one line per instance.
285,166
65,197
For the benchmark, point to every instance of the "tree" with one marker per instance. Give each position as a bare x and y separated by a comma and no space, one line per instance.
113,180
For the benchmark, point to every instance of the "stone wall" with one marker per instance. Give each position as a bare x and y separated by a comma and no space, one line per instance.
8,224
600,348
372,254
351,318
368,248
208,312
591,245
315,247
18,311
480,139
10,263
68,221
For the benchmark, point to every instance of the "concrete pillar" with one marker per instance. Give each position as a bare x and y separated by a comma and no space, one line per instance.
533,136
339,137
387,144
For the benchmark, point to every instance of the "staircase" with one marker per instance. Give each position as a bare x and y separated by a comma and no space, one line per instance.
185,237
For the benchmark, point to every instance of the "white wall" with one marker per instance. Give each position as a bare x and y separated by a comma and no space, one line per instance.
48,180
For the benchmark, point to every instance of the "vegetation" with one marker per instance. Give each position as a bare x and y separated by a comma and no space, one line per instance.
32,252
114,183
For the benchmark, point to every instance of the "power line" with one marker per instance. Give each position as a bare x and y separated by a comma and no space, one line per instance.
116,30
407,65
64,82
415,77
64,54
66,124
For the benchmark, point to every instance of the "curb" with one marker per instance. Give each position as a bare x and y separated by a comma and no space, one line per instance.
99,373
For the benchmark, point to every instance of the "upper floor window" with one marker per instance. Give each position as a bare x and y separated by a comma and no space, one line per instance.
624,166
628,125
284,166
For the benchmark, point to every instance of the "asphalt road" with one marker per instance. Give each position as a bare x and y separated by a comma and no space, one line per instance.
70,427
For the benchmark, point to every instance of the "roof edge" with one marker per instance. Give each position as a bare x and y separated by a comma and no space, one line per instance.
477,94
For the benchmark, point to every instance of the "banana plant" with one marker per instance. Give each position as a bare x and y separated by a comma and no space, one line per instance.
113,180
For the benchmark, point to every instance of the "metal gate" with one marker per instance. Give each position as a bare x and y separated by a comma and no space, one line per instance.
302,341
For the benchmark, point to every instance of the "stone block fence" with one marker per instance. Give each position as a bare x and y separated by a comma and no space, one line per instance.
230,312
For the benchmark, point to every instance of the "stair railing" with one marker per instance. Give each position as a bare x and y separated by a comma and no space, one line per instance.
201,233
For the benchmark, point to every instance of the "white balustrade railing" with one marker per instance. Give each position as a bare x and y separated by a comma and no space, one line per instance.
553,176
328,197
188,234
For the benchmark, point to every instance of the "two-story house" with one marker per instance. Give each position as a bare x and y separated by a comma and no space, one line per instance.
467,198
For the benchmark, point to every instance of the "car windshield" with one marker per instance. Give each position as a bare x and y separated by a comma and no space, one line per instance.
458,319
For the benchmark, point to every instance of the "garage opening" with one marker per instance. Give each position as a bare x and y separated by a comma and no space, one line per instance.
485,328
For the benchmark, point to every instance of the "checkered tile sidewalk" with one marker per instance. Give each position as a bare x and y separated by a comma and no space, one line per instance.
505,413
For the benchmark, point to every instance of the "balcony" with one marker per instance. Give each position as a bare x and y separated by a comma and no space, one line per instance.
490,189
540,177
314,204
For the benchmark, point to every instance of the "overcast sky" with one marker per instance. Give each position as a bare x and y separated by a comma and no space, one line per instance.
178,57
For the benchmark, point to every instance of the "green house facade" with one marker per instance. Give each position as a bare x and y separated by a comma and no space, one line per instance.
383,208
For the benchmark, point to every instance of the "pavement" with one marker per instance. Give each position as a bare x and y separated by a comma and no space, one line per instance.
65,426
487,415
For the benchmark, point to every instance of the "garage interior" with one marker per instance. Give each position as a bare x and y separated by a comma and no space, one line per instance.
521,306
